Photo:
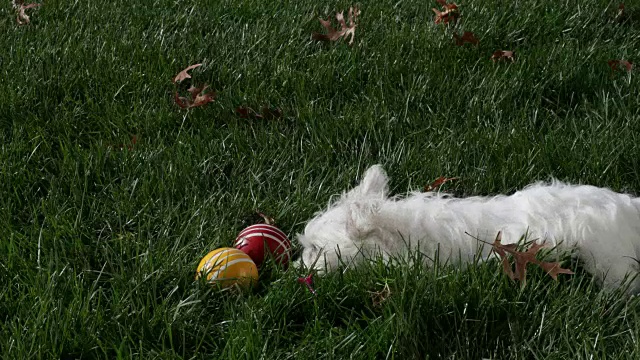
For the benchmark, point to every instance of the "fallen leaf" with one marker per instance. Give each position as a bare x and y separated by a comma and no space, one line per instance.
553,269
615,65
308,281
345,31
378,297
468,37
502,55
267,219
266,113
243,112
21,16
197,95
198,98
437,183
621,15
522,258
331,35
450,13
184,74
133,142
256,217
498,248
271,113
248,113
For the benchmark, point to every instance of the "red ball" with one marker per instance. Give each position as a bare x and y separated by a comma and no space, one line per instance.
253,239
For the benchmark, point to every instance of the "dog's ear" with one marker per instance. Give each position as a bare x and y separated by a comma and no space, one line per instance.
373,183
361,219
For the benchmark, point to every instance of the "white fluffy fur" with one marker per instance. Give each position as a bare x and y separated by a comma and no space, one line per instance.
602,225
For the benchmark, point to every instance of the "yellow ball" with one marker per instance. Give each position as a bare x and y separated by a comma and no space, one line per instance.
227,267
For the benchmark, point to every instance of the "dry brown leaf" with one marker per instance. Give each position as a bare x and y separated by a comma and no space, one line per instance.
267,113
271,113
184,74
615,65
437,183
553,269
449,14
198,98
345,30
621,15
246,112
21,16
498,249
379,297
202,98
468,37
266,218
133,142
522,258
502,55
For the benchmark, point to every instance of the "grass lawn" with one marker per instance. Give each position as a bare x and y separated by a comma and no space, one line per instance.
100,237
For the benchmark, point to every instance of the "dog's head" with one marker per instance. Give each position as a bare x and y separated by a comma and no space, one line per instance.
346,231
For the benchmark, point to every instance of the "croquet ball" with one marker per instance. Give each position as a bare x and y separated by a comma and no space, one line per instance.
227,267
261,239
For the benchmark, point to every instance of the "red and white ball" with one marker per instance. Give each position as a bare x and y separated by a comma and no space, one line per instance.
260,240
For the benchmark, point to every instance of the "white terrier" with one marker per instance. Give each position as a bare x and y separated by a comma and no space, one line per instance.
602,225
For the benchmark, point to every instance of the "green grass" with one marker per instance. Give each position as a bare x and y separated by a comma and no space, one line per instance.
98,246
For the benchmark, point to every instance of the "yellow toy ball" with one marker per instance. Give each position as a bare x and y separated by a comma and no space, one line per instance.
227,267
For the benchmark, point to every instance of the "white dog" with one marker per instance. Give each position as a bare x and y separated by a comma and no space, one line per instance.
602,225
